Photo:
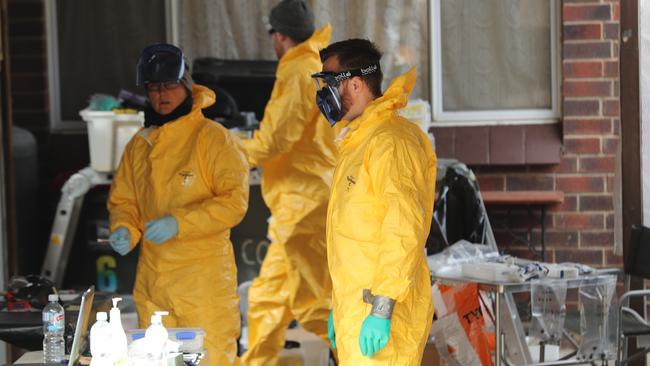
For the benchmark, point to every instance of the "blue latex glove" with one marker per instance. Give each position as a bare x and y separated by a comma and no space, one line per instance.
374,336
331,334
161,230
121,240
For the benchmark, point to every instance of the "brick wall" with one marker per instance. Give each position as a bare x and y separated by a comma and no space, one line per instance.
581,229
28,59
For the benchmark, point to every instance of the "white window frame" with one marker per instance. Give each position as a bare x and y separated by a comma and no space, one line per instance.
54,81
503,117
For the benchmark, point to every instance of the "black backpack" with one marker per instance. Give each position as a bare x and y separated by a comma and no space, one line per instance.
458,212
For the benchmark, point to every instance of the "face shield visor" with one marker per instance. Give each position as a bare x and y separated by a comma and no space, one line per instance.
160,63
328,98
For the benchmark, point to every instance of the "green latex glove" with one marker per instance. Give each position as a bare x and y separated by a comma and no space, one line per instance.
375,333
331,334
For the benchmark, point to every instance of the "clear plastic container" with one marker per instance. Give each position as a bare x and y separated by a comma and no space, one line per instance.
191,339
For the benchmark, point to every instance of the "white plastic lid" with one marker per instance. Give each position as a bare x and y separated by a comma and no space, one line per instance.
102,315
52,297
115,301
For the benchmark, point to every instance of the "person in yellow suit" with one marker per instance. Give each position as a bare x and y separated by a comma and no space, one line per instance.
379,212
295,149
181,186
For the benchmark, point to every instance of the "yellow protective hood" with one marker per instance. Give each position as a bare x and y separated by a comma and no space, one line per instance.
394,98
319,40
203,97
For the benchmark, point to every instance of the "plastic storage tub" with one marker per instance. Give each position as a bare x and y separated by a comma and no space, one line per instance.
108,134
191,339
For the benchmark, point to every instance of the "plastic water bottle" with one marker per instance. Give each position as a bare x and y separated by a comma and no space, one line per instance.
100,341
53,327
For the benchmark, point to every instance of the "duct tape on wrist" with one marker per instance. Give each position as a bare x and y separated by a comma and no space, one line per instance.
382,306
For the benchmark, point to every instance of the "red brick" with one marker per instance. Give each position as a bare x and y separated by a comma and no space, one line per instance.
491,183
582,145
28,101
587,88
617,126
610,145
570,204
611,108
29,64
33,28
586,126
580,184
611,31
525,253
529,183
575,12
611,69
583,69
589,257
609,183
582,31
579,221
617,11
25,9
557,238
568,165
27,46
604,164
596,203
587,50
609,221
515,218
597,239
581,108
31,117
28,82
613,261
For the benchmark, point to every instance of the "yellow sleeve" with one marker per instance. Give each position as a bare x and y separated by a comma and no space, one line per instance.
285,117
226,171
404,183
122,201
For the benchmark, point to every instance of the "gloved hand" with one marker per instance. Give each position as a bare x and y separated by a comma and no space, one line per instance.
374,336
161,230
121,240
331,334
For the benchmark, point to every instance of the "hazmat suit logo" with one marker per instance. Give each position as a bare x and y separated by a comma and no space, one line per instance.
188,178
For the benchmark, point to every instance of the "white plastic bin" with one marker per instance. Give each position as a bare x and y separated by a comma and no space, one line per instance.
108,134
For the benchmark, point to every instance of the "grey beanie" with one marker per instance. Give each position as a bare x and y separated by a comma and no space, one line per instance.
293,18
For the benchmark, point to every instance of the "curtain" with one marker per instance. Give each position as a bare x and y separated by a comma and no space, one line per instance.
235,29
491,51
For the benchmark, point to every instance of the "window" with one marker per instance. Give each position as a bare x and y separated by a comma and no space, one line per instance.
485,62
93,48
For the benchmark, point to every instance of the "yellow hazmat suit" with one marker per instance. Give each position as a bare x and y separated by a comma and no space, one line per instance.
377,224
195,170
295,149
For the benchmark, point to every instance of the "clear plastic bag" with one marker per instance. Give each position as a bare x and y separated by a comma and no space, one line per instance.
449,260
462,303
597,318
548,310
452,343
